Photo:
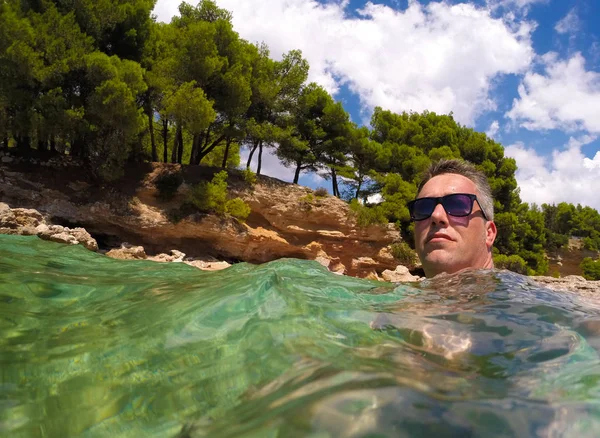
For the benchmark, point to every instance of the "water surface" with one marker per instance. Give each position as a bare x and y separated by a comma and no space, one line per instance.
95,347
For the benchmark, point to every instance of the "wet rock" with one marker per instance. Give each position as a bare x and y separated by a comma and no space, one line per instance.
175,256
83,237
63,238
128,252
573,283
400,274
207,266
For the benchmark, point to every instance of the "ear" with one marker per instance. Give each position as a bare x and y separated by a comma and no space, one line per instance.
490,233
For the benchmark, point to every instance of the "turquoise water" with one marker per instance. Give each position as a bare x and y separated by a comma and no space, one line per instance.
95,347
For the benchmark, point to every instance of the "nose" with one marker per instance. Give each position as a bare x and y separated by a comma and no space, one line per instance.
439,215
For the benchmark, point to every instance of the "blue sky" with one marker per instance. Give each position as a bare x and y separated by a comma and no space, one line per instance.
527,72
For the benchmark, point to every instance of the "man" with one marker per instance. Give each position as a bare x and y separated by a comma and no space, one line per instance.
453,214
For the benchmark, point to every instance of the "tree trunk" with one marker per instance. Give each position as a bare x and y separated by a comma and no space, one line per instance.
196,141
53,144
260,150
226,154
358,188
150,114
180,144
334,186
165,142
199,145
24,142
297,174
207,150
76,150
4,142
42,145
175,145
254,147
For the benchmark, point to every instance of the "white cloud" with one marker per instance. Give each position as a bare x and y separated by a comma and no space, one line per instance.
493,129
519,6
569,23
566,96
439,56
270,164
566,176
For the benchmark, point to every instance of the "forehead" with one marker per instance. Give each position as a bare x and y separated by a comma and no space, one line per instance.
447,183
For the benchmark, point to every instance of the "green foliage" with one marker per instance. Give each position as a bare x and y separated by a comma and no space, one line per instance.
511,262
404,253
167,184
590,268
100,80
237,208
366,216
211,197
321,192
249,177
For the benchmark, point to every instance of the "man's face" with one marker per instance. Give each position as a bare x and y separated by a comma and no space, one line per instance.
450,244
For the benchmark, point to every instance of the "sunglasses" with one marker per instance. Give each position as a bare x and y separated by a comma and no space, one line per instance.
455,204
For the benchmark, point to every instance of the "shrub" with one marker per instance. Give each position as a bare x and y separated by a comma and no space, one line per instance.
591,244
321,192
212,197
366,216
249,177
590,268
512,263
167,184
404,253
237,208
306,202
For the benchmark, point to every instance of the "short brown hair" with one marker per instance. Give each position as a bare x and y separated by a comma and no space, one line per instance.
468,170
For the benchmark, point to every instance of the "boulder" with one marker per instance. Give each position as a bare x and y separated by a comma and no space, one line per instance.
128,252
400,274
63,238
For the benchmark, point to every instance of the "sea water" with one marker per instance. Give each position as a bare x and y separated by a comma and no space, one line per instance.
96,347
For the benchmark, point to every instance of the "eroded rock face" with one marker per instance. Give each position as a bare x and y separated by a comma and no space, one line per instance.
285,220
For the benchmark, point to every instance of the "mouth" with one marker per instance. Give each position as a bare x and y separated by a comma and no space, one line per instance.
438,237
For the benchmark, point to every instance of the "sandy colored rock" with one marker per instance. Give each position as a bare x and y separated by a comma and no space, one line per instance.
400,274
207,266
573,283
84,238
363,262
372,275
128,252
62,238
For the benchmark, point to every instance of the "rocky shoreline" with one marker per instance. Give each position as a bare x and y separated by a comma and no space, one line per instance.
56,202
29,222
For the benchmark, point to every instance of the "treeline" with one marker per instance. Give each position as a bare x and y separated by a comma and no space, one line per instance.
102,81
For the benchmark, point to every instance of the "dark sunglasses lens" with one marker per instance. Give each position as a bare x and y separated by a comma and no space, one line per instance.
422,208
458,205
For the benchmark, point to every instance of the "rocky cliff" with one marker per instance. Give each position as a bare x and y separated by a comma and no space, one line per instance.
286,219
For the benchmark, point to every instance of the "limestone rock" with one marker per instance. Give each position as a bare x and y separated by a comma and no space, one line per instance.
573,283
63,238
128,252
363,262
400,274
207,266
84,238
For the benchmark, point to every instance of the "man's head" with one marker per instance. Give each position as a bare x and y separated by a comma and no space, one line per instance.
460,231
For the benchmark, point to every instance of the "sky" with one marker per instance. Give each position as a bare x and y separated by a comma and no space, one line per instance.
526,72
